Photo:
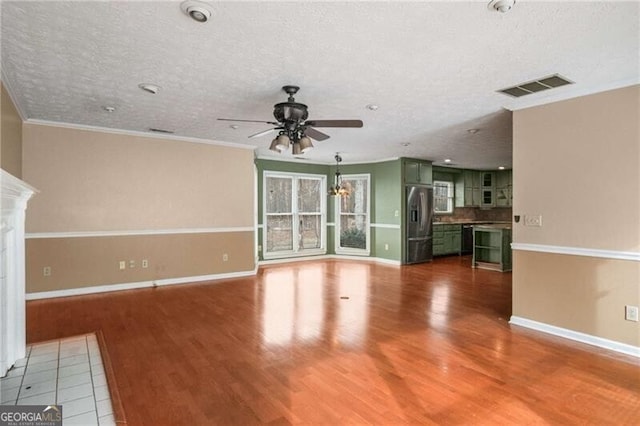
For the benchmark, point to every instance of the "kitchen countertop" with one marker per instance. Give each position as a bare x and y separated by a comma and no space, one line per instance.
494,226
471,222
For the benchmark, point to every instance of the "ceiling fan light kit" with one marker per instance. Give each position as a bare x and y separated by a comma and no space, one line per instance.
305,144
283,142
294,129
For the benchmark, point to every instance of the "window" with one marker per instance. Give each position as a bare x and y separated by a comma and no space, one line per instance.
352,211
443,196
294,214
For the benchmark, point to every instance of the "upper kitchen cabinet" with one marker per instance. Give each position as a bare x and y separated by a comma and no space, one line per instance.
484,189
504,188
417,172
472,189
488,190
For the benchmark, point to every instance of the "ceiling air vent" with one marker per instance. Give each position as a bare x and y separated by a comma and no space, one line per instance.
534,86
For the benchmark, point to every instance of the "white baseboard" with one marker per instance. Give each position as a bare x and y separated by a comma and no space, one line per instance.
366,258
131,286
186,280
577,336
330,256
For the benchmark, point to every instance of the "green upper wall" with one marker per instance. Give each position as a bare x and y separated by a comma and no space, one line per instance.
386,199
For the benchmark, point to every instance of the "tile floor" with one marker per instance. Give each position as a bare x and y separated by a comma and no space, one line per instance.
68,372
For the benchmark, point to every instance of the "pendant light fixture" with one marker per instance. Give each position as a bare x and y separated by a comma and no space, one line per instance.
338,189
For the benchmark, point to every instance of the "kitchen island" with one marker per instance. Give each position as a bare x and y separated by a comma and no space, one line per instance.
492,247
456,236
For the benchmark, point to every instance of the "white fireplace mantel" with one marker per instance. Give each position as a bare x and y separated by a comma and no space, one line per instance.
15,194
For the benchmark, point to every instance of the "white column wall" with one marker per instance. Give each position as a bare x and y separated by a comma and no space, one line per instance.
15,195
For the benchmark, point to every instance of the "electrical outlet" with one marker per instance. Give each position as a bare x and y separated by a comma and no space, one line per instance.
145,263
533,220
225,257
631,313
396,213
386,246
46,271
132,264
122,264
259,248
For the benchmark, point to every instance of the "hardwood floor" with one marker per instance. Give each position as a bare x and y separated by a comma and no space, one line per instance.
341,342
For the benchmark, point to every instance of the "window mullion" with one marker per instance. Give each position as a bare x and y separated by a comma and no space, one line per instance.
295,215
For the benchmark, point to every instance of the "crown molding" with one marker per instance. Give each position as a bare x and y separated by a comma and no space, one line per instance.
136,133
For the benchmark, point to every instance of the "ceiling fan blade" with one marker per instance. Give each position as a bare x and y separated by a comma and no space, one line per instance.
262,133
249,121
334,123
315,134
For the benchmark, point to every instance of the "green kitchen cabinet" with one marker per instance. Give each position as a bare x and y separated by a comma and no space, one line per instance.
488,189
447,239
492,247
438,240
417,172
504,188
472,189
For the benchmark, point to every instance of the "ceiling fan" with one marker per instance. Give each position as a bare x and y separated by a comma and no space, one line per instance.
293,127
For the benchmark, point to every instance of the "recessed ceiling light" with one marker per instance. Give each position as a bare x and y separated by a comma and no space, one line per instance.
150,88
501,168
108,108
196,10
372,107
502,6
473,131
447,160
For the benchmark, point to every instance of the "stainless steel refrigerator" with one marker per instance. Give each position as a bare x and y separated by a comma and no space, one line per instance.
419,224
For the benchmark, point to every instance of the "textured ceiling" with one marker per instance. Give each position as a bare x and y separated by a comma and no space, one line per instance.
432,67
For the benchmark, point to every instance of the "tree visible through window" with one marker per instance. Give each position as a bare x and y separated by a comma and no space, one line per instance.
294,213
353,215
443,196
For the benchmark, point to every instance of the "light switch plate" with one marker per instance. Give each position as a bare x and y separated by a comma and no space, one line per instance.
533,220
631,313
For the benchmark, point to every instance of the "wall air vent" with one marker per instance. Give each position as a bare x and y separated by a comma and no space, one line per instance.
153,129
534,86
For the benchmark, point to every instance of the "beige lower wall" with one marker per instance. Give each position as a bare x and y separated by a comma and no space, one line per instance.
77,262
584,294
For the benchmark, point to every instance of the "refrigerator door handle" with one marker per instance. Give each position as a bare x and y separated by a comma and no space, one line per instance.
423,207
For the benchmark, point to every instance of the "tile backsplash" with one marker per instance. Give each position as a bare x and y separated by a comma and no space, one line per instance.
501,214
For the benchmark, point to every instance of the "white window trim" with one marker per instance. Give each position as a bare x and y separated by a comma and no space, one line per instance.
450,200
295,252
352,251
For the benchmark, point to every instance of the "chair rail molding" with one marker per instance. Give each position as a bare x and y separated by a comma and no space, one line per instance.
15,195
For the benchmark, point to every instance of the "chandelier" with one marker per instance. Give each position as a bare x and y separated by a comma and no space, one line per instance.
338,189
